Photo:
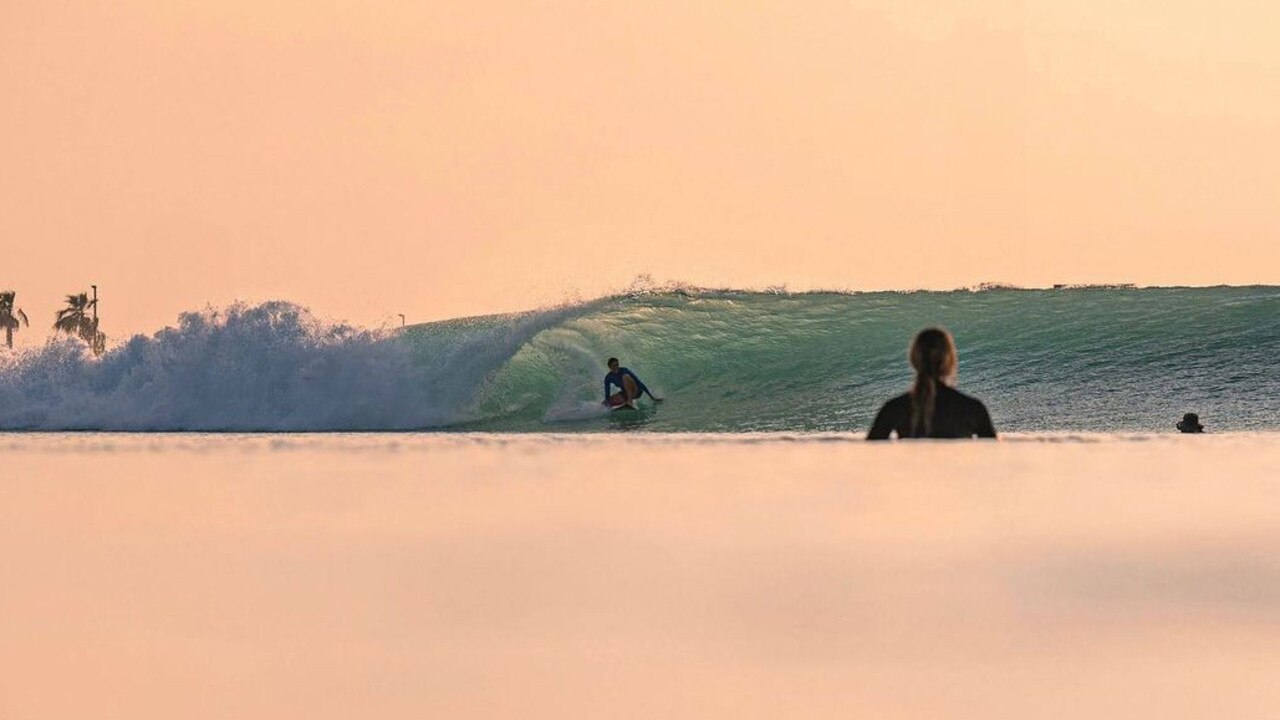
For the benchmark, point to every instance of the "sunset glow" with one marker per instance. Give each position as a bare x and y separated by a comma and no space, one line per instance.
440,160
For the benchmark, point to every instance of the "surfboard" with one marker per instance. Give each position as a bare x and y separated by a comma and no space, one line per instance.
616,403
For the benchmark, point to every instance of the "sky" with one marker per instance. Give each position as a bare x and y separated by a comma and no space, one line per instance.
442,159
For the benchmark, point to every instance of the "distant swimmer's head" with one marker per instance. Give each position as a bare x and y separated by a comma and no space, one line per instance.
933,355
1190,424
613,364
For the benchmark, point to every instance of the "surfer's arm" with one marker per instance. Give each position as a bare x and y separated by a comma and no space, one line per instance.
986,429
641,388
606,389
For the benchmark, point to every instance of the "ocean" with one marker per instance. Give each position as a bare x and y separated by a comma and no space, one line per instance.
1073,359
259,514
638,575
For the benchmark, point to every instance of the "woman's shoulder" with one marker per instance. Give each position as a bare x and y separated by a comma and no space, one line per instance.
962,398
897,401
891,418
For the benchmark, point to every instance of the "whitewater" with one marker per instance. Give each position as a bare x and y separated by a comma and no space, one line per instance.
1067,360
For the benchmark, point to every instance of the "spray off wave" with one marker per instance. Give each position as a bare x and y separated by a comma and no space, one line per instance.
270,367
1100,360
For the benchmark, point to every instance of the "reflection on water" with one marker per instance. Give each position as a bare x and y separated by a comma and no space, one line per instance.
633,575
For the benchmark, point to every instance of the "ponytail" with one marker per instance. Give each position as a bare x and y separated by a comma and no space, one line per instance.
924,399
933,355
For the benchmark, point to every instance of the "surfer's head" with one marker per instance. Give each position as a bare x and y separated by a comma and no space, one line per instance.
1191,424
613,364
933,354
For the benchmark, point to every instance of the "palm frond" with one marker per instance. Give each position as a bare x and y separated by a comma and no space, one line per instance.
11,318
70,318
74,320
69,324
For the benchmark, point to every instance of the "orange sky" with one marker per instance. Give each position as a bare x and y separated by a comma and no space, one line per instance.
442,159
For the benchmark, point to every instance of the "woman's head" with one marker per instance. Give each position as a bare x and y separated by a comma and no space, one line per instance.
933,355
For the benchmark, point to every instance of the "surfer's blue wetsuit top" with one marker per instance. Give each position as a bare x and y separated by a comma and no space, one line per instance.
615,379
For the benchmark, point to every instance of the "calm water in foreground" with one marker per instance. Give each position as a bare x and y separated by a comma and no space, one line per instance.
638,576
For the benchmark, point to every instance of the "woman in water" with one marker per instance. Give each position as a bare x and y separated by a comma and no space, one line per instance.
932,408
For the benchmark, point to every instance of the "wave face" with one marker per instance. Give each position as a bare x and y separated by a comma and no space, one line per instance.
1101,360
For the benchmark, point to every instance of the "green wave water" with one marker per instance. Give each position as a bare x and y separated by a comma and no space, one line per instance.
1082,360
1104,360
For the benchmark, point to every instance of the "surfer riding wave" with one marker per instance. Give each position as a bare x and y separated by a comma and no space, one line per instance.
630,387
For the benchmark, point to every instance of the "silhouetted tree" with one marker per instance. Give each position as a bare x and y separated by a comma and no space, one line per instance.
75,319
11,318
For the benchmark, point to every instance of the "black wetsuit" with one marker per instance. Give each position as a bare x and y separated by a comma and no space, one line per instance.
955,415
615,377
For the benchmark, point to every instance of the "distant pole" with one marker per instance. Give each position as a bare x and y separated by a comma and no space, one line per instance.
96,344
401,319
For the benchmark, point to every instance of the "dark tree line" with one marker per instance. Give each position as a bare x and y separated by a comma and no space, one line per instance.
78,319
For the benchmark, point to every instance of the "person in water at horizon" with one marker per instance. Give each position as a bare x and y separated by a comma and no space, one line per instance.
933,408
630,388
1190,424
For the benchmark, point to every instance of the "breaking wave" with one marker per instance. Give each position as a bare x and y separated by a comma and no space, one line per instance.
1088,359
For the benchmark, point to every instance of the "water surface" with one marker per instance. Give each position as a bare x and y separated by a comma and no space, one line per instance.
638,576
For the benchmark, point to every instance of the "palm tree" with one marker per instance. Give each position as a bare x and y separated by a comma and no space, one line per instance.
11,318
75,320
